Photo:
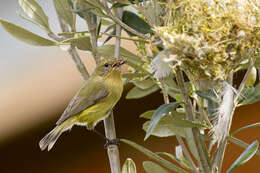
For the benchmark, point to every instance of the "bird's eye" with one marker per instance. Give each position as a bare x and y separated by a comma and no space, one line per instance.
106,64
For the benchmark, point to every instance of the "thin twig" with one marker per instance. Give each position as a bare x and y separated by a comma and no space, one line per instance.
79,64
92,28
112,150
203,161
72,51
119,21
179,139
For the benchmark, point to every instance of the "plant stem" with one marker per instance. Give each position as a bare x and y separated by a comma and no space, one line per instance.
72,51
119,21
179,139
112,150
203,161
78,63
92,28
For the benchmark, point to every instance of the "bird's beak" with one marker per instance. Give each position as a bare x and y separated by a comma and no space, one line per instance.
118,63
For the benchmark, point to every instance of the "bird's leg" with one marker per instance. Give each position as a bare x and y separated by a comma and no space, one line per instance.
108,141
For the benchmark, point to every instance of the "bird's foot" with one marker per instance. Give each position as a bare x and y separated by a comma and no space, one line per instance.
111,142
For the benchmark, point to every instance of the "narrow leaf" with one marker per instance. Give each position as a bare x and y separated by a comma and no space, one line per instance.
25,35
246,127
253,96
129,166
147,114
241,143
174,159
154,156
144,84
65,12
135,22
191,143
251,77
151,167
245,156
136,93
33,9
158,114
82,43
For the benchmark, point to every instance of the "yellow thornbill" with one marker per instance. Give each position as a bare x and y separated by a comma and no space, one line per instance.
93,102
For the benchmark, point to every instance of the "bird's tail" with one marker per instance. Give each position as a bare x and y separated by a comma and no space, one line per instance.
49,140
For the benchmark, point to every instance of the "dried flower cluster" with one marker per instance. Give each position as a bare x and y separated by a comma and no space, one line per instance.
211,37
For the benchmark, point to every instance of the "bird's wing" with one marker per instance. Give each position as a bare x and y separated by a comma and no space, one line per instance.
81,101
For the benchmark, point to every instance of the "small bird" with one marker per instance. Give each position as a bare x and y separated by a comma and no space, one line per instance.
92,103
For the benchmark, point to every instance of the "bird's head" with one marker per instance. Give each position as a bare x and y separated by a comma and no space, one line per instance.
108,65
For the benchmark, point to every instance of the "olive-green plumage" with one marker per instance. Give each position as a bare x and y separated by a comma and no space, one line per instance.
92,103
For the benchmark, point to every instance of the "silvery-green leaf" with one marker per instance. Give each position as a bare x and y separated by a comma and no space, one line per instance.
165,128
180,157
253,96
158,114
154,156
144,84
82,43
151,167
129,166
170,124
246,127
191,143
136,93
136,22
33,9
65,12
241,143
147,114
251,77
25,35
245,156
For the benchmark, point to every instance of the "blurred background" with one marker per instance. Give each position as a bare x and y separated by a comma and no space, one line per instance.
36,84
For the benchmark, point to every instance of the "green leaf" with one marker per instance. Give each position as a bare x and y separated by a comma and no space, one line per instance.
25,35
185,165
213,103
135,22
191,143
151,167
251,77
169,125
252,97
107,51
241,143
158,114
65,12
136,93
144,84
129,166
131,76
165,128
82,43
246,127
245,156
181,158
33,9
147,114
154,156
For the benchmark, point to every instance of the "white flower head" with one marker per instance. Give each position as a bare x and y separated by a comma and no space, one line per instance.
160,65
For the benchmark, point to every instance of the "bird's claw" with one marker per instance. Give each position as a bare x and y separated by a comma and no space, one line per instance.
111,142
